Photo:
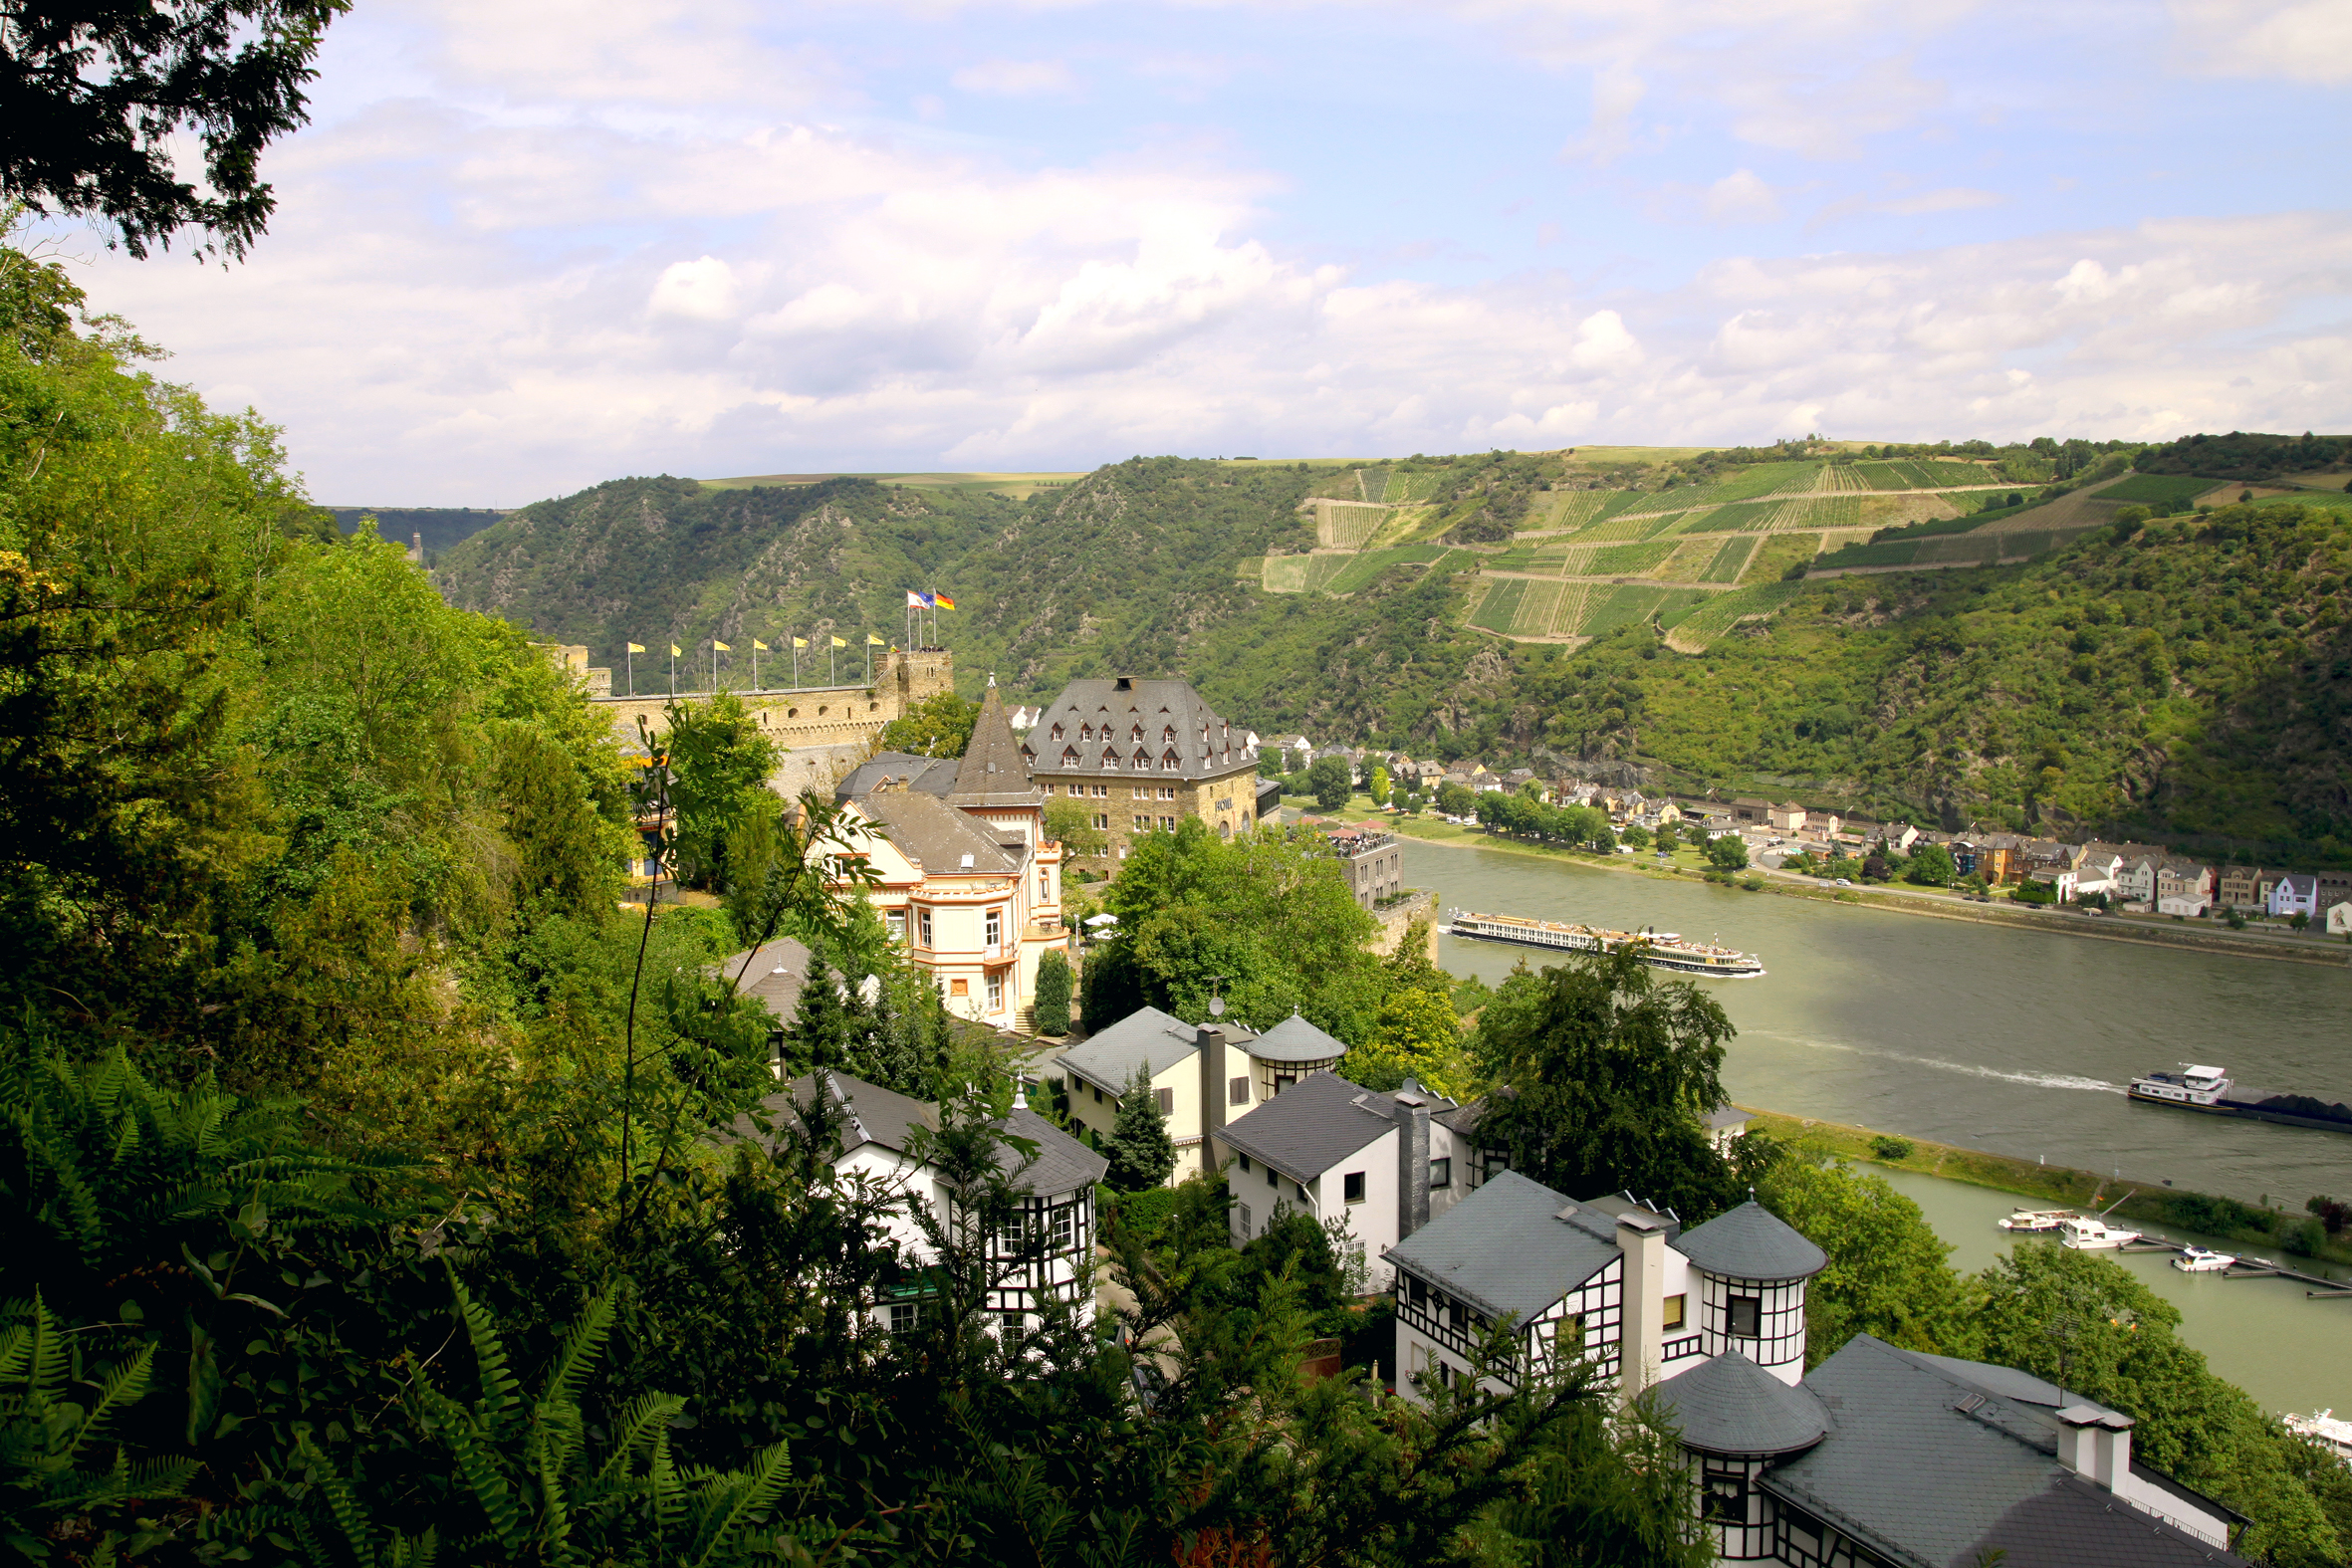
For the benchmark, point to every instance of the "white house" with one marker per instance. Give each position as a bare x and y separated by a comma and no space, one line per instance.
1201,1076
2296,893
1044,1254
1378,1162
2189,906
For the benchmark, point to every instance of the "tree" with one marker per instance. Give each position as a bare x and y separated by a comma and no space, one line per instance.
1378,787
938,725
1876,869
95,99
824,1022
1601,1073
1932,867
1053,1004
1635,836
1668,836
1332,781
1141,1153
719,762
1418,1033
1456,800
1888,1272
1727,852
1071,823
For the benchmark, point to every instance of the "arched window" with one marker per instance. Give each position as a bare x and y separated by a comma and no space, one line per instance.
1223,830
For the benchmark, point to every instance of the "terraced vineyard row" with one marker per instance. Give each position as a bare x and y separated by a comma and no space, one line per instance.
1702,623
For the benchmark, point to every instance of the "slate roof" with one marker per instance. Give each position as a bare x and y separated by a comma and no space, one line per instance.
938,837
1932,1460
772,971
1731,1405
1314,1125
1063,1164
930,774
1505,1248
867,1113
1147,1036
1747,1242
1154,705
1295,1040
994,770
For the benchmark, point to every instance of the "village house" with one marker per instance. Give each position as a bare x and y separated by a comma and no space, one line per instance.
1038,1260
2184,888
2330,889
1748,811
1380,1164
1201,1076
1143,755
1878,1458
1374,860
2295,893
1787,819
2238,887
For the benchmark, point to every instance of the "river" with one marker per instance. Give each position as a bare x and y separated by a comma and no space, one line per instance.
2017,1042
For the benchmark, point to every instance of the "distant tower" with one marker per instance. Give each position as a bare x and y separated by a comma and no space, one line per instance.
416,548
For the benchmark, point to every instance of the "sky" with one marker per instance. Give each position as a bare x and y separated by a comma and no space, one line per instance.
526,246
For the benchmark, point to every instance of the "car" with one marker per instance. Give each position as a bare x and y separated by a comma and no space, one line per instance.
1843,882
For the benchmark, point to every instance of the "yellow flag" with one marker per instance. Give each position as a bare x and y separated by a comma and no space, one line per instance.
637,647
722,647
675,650
838,643
875,641
763,647
799,642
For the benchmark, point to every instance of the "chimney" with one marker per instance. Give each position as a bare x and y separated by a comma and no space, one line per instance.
1125,683
1642,1337
2095,1443
1212,1047
1412,1158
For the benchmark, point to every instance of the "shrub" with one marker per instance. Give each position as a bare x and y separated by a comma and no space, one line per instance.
1053,1006
1886,1146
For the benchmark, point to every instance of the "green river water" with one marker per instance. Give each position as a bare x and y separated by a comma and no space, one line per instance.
2017,1042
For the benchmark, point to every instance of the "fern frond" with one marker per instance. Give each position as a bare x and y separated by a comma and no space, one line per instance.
478,1464
500,1392
582,1349
669,1500
126,1383
341,1506
645,1423
748,1491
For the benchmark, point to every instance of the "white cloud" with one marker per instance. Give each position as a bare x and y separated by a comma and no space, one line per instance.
2271,40
1015,78
1740,197
704,289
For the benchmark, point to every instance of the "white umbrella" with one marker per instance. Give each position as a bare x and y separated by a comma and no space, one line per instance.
1102,920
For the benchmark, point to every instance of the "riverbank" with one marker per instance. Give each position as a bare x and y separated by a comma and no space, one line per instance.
1785,885
2060,1187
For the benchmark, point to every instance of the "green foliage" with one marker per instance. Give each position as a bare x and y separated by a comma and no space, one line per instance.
719,762
938,725
2085,1323
1728,853
1888,1272
1609,1070
2245,456
1931,866
1140,1152
1331,782
1416,1034
1888,1147
1378,787
1071,824
1053,997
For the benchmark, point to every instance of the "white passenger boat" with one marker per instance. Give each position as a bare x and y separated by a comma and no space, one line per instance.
2327,1429
2042,1222
1658,949
2093,1236
2200,1260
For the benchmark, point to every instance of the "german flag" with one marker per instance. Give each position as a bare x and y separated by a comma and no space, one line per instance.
943,601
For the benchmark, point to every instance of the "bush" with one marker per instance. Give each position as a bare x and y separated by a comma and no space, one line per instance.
1886,1146
1727,854
1053,1006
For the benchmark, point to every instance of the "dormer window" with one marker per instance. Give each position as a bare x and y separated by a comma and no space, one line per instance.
1136,733
1069,756
1169,734
1057,732
1170,762
1085,732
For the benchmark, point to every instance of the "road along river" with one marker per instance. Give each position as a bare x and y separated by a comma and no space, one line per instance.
2015,1042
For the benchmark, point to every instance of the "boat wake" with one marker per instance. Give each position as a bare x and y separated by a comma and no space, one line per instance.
2033,1080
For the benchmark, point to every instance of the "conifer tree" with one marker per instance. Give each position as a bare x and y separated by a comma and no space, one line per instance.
821,1024
1053,1004
1140,1152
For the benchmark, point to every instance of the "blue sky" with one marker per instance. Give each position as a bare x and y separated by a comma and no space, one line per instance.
527,245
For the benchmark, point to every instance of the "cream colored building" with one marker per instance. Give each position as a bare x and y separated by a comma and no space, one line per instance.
1142,755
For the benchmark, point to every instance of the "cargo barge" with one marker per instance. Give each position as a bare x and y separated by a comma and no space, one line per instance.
1658,949
2208,1090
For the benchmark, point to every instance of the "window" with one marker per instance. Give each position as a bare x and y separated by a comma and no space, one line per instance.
1241,1212
1457,1315
1141,792
1168,825
1743,1317
1165,1099
1065,1228
1725,1502
959,988
1045,889
923,927
1236,1092
1352,1186
1245,1159
996,993
1013,1324
1102,821
996,928
1416,1291
1674,1310
1167,791
903,1316
1272,1180
898,925
1440,1173
1012,1233
1097,1092
1103,792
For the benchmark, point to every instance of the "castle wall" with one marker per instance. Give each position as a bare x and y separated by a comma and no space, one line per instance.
811,719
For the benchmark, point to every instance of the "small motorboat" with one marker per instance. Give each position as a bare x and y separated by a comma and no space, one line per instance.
2093,1236
2042,1221
2201,1260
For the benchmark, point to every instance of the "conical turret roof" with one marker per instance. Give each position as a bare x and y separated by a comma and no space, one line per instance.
994,772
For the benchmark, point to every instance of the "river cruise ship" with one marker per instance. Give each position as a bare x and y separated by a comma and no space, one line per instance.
2208,1090
1659,949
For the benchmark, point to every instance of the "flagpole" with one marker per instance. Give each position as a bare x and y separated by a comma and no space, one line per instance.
714,664
755,664
796,664
830,678
673,669
631,659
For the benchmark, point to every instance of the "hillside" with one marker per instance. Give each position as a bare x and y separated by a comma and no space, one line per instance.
2186,681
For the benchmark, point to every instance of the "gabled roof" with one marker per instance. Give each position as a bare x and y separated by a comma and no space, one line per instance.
1295,1040
1750,1242
1320,1122
1063,1165
866,1114
993,771
938,837
930,774
772,973
1730,1405
1157,706
1933,1461
1505,1249
1146,1038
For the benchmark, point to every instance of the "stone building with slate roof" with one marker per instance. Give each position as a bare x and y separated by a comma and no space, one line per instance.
1879,1458
1143,755
969,881
1043,1256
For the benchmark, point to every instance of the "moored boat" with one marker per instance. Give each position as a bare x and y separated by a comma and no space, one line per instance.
1657,948
2202,1260
2092,1236
2208,1090
2039,1222
2327,1429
